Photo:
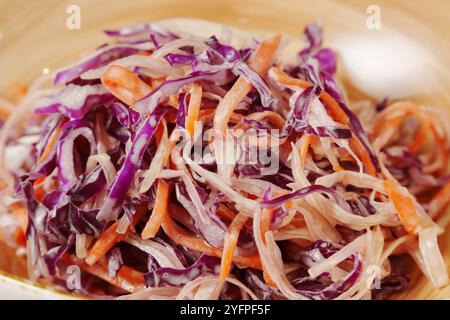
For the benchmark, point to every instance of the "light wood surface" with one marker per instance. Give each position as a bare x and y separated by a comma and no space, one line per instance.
407,57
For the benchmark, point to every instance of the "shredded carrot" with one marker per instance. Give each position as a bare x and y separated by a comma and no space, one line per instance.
19,237
51,142
143,53
333,107
181,215
229,247
230,243
193,109
111,237
363,155
404,206
159,132
225,213
304,150
287,80
260,62
181,237
170,146
159,210
39,189
234,115
421,136
268,279
126,278
231,100
385,125
298,222
173,140
124,84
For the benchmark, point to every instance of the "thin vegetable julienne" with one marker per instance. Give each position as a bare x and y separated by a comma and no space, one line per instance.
229,247
189,241
260,63
126,278
219,100
193,109
110,237
335,111
124,84
404,206
230,244
39,189
159,210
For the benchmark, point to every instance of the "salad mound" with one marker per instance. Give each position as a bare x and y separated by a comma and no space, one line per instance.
169,165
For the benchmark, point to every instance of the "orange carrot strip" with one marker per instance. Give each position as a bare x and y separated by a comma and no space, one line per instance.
260,62
404,110
225,213
283,78
339,115
230,243
333,107
421,136
159,210
404,206
268,279
20,238
181,215
55,135
126,278
39,190
195,103
362,154
181,237
304,150
170,146
124,84
111,237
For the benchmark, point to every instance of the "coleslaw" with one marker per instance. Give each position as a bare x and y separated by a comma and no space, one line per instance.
166,165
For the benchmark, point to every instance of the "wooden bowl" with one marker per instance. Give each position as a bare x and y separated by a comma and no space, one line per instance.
406,57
